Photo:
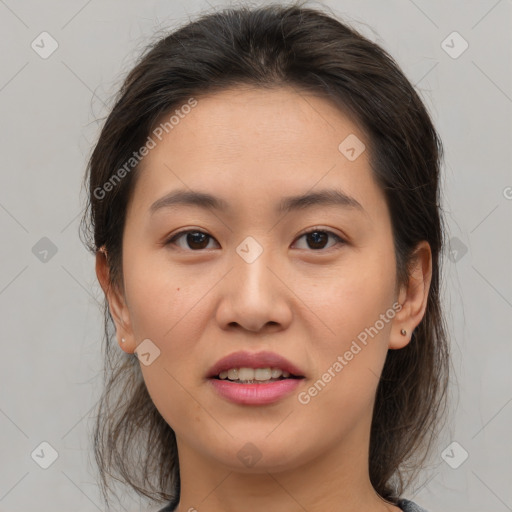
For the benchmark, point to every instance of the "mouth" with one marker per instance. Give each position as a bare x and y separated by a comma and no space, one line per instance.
246,366
247,375
260,378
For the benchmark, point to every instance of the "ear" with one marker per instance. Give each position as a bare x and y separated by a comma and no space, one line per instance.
117,304
413,297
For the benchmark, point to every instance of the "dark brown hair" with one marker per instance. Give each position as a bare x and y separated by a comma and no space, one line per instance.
309,50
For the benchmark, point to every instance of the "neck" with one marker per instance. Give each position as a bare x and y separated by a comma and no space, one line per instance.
336,480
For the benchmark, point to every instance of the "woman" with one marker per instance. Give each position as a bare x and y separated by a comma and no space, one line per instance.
264,210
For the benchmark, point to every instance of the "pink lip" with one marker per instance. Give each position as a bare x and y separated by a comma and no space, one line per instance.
243,359
255,394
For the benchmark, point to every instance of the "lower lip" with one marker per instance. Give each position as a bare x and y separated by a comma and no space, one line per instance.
255,394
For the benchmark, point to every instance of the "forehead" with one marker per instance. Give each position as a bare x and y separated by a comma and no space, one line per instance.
261,122
251,143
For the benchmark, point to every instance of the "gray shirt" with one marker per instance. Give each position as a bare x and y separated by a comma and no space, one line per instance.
405,505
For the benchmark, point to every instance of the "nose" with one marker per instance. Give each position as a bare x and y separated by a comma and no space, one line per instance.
254,296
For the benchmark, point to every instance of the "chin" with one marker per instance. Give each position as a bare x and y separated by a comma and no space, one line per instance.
259,453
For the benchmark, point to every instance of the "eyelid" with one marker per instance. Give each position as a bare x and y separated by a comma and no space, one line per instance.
340,240
170,239
324,230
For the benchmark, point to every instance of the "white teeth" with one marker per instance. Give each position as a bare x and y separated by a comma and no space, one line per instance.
276,372
246,374
259,374
262,374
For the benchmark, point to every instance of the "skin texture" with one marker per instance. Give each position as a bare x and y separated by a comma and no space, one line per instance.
252,147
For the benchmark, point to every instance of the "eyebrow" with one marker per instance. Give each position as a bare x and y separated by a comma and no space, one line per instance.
326,197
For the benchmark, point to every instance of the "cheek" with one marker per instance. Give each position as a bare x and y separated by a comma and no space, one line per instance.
351,296
167,310
160,297
168,307
355,307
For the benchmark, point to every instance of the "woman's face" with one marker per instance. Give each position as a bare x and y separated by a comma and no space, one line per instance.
252,279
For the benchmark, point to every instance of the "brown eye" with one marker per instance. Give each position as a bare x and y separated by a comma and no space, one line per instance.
317,239
194,240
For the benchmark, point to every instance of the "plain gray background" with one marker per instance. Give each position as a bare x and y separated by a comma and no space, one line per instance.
51,326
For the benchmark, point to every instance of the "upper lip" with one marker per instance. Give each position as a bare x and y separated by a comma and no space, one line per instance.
243,359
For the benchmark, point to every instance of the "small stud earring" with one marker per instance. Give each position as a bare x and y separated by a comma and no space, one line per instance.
122,340
403,332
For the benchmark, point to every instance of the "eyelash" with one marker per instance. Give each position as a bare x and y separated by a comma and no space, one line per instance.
172,240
